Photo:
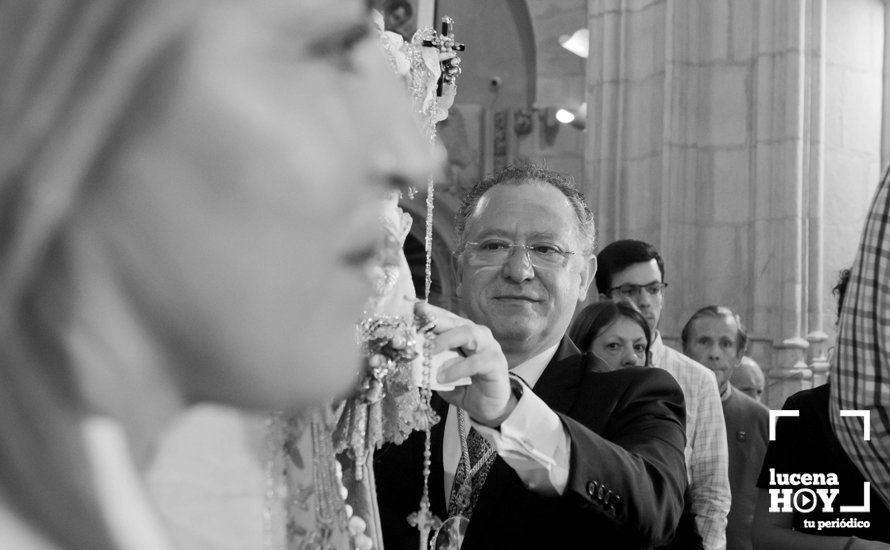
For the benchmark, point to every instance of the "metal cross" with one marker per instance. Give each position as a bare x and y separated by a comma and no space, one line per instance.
445,43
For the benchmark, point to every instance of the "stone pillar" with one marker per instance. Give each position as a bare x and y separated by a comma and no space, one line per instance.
855,93
818,356
790,373
885,113
705,138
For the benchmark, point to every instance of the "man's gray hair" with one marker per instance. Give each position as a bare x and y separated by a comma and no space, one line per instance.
530,173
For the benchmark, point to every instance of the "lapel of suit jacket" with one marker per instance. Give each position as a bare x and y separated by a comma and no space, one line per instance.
558,388
558,384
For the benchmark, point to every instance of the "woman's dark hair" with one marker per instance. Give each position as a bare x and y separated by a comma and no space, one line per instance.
595,318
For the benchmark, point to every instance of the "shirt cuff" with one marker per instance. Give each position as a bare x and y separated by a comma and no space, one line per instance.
533,441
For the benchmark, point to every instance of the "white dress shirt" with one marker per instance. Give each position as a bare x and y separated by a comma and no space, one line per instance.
707,453
532,440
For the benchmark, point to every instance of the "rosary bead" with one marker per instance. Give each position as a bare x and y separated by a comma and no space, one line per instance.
363,542
356,526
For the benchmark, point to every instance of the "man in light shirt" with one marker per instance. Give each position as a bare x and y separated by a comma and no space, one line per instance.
578,458
634,270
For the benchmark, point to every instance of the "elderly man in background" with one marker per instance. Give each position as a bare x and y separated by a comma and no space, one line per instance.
715,337
748,378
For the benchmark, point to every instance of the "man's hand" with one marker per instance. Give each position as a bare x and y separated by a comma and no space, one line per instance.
488,400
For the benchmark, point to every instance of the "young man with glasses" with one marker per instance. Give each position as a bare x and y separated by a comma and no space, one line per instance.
634,271
539,451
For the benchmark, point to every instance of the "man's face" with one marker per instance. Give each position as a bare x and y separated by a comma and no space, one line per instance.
748,379
641,274
527,308
713,342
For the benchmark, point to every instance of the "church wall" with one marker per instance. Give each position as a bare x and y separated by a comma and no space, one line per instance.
560,83
743,140
854,89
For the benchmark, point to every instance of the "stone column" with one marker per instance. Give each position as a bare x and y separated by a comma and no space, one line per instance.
885,113
818,356
705,138
790,373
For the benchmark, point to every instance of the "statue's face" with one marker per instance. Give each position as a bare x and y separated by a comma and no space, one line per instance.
252,199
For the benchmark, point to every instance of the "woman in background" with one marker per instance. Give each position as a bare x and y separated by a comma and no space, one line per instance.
188,197
616,333
618,336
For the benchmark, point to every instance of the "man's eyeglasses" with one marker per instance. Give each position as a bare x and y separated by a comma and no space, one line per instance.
633,291
495,252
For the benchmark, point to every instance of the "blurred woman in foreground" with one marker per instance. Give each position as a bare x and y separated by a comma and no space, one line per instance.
188,193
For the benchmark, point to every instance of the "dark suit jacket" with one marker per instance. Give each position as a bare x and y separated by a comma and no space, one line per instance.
627,472
747,433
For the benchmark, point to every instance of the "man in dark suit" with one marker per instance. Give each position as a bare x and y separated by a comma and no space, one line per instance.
538,451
